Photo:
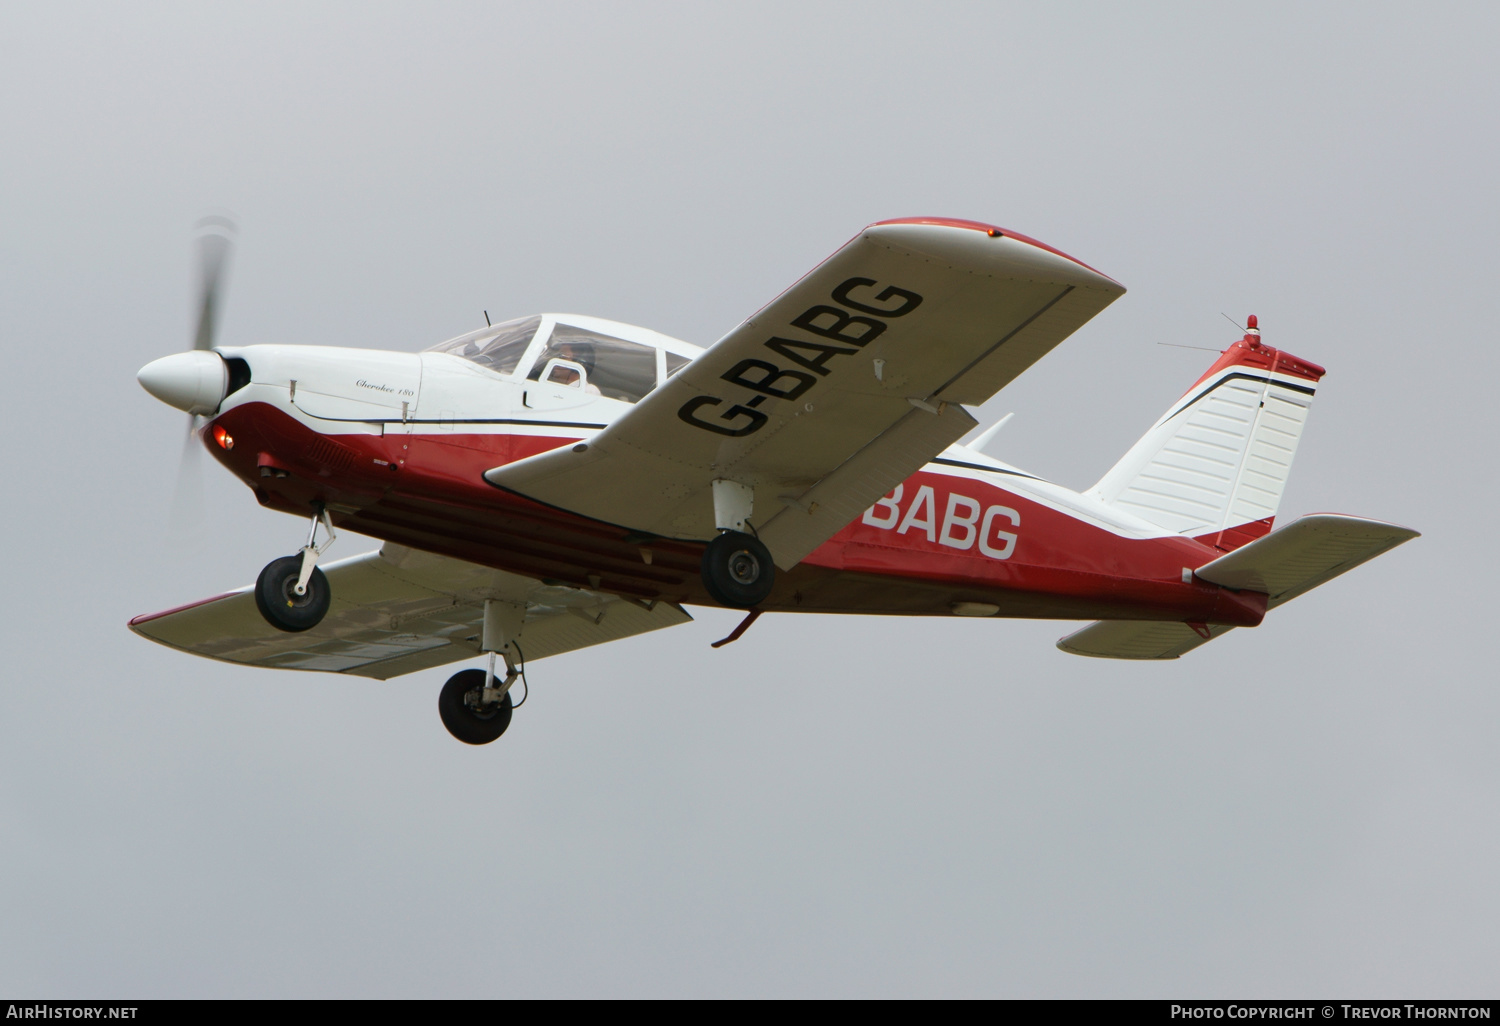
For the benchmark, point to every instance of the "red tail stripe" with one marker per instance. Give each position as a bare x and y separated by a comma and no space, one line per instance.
1262,357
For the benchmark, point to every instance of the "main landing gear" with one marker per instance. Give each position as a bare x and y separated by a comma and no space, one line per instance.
737,570
291,592
475,705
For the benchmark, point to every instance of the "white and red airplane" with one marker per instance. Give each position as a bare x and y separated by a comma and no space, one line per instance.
558,481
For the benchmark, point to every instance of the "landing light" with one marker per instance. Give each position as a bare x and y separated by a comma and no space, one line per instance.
222,437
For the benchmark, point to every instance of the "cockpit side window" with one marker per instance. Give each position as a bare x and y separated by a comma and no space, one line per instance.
617,368
499,348
675,363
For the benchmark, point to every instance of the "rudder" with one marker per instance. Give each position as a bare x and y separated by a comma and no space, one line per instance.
1215,465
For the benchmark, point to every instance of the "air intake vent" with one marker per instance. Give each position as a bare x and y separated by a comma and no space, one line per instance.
239,374
329,454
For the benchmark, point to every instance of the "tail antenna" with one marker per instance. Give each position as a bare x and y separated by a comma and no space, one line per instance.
1251,329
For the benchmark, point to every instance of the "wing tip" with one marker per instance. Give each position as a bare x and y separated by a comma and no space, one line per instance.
997,232
136,622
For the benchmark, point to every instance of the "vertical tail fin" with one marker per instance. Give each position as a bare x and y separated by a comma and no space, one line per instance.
1214,466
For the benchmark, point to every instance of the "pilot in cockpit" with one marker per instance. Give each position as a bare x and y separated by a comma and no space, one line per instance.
581,353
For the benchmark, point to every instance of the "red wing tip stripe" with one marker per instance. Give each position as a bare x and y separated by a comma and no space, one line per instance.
148,617
990,229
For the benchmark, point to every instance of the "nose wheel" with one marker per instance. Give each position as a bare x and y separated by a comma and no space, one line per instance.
291,592
737,570
277,599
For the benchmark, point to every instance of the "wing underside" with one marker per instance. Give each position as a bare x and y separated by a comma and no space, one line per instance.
397,611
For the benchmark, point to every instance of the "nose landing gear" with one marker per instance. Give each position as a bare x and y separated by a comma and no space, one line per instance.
277,599
291,592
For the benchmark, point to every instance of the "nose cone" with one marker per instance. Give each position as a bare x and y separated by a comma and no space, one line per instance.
195,382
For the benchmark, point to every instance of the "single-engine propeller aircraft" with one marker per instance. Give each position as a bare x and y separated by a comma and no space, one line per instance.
558,481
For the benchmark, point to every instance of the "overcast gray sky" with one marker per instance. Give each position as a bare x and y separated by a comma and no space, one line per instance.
834,805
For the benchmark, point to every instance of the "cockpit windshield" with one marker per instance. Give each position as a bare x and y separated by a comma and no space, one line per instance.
617,369
499,347
571,355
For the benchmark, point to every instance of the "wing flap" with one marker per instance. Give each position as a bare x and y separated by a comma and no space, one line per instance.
846,492
397,611
906,312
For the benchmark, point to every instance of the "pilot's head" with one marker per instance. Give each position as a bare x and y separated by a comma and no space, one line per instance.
579,352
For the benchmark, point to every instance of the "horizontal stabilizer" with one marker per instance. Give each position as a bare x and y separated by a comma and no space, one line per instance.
1303,555
1139,639
1283,565
397,611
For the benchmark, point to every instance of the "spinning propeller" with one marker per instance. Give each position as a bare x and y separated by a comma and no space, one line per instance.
196,381
215,240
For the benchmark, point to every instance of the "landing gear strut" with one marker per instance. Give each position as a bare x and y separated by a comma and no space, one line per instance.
291,592
737,568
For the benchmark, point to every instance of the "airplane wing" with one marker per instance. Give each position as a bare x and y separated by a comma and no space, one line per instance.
832,394
398,610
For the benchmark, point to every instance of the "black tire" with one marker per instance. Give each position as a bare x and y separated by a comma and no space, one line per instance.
737,570
462,721
278,601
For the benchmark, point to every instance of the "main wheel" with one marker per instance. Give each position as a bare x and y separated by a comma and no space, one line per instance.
276,596
466,722
737,570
